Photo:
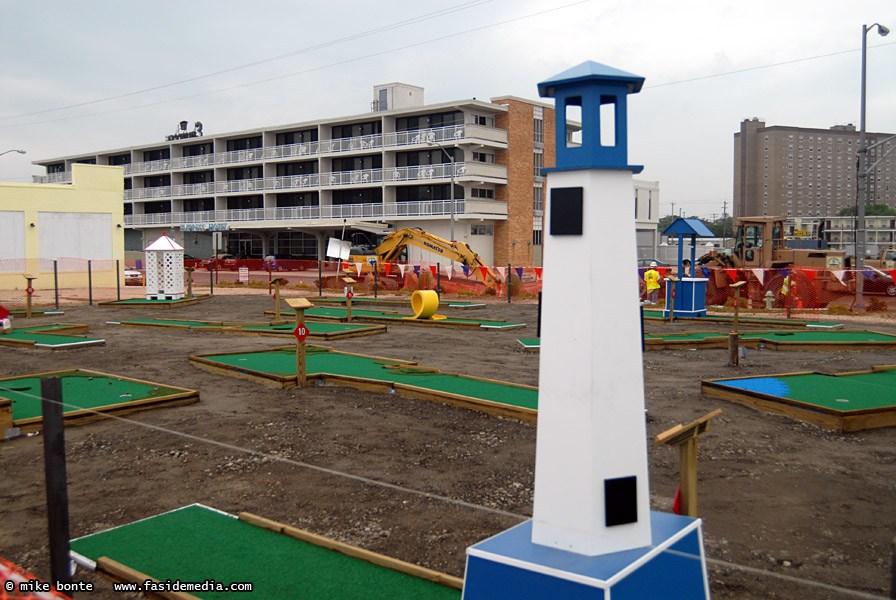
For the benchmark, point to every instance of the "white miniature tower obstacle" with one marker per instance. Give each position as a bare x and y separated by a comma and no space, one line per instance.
164,270
592,534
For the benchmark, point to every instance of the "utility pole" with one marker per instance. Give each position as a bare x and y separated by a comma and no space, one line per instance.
673,209
724,220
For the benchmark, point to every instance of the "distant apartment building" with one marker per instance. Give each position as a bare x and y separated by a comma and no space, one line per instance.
286,189
803,172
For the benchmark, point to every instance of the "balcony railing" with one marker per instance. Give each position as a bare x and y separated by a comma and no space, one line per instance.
449,134
328,212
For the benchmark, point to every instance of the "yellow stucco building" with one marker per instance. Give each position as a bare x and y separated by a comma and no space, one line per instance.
66,223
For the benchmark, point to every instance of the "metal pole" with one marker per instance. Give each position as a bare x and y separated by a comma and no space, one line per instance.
452,196
211,279
55,477
376,272
438,279
89,283
320,278
509,277
862,191
56,281
118,278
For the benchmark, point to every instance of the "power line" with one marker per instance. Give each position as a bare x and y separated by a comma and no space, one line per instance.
363,34
312,69
769,66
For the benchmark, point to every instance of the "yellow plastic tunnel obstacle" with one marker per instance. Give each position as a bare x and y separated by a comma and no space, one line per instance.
425,303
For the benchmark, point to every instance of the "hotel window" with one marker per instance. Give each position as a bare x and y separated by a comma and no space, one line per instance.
356,130
482,193
477,229
538,198
198,149
483,157
484,121
297,137
248,143
539,164
161,154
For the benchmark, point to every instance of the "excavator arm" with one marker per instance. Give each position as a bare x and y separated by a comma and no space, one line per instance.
394,243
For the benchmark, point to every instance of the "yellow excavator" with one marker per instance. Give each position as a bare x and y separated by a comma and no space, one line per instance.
392,246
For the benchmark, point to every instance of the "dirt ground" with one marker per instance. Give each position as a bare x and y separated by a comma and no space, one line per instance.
790,510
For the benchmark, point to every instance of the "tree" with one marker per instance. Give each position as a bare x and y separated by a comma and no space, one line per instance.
870,210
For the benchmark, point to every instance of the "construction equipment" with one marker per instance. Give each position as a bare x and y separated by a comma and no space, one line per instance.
393,246
759,244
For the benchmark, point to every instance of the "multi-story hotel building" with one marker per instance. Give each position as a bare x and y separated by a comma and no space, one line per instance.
287,189
802,172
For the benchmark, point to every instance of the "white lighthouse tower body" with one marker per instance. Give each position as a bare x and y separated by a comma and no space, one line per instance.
164,270
592,532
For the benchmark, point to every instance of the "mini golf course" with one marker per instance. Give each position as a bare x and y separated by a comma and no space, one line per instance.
278,367
803,339
35,312
319,330
85,394
144,303
842,402
657,315
377,316
197,544
56,336
391,302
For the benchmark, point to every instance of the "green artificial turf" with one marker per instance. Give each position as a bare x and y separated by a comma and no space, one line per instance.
339,313
283,363
196,544
79,390
287,328
842,393
803,336
42,334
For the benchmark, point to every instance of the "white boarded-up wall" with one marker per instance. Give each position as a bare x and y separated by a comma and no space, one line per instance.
75,235
12,234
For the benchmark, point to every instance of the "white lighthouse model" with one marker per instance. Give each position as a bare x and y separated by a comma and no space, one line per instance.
592,532
164,270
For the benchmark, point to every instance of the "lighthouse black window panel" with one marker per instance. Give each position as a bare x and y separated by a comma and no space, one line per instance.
566,211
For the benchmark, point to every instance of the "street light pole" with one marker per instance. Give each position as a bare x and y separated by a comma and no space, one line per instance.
861,174
451,158
8,151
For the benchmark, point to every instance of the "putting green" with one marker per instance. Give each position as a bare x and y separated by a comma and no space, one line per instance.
43,336
770,321
282,362
317,329
803,336
80,390
198,544
377,315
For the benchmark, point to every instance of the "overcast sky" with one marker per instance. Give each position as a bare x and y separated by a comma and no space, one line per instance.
83,77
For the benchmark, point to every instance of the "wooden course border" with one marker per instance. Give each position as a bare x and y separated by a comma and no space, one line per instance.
394,302
118,572
67,329
497,409
80,417
751,321
720,341
401,320
839,421
236,328
156,304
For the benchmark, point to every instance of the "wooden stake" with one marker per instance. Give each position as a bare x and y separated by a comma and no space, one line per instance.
671,295
348,297
189,271
299,305
733,347
30,278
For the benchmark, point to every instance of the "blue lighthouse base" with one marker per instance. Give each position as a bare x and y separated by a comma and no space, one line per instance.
509,565
690,298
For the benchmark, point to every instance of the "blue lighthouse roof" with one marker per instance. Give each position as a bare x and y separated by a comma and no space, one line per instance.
590,70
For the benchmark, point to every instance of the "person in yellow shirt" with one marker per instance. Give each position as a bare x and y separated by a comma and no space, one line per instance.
652,279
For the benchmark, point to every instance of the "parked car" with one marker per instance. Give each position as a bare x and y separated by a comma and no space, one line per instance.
133,277
645,262
281,262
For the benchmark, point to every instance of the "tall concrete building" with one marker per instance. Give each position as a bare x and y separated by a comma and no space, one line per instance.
286,189
803,172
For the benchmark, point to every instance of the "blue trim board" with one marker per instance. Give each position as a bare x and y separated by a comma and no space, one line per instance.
510,565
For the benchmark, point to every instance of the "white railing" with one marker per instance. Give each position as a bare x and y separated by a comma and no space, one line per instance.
239,185
150,192
449,134
327,212
290,182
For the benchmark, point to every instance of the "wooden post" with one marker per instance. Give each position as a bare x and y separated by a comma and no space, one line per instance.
685,436
299,305
54,472
348,297
29,290
734,337
671,295
189,271
733,347
277,282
